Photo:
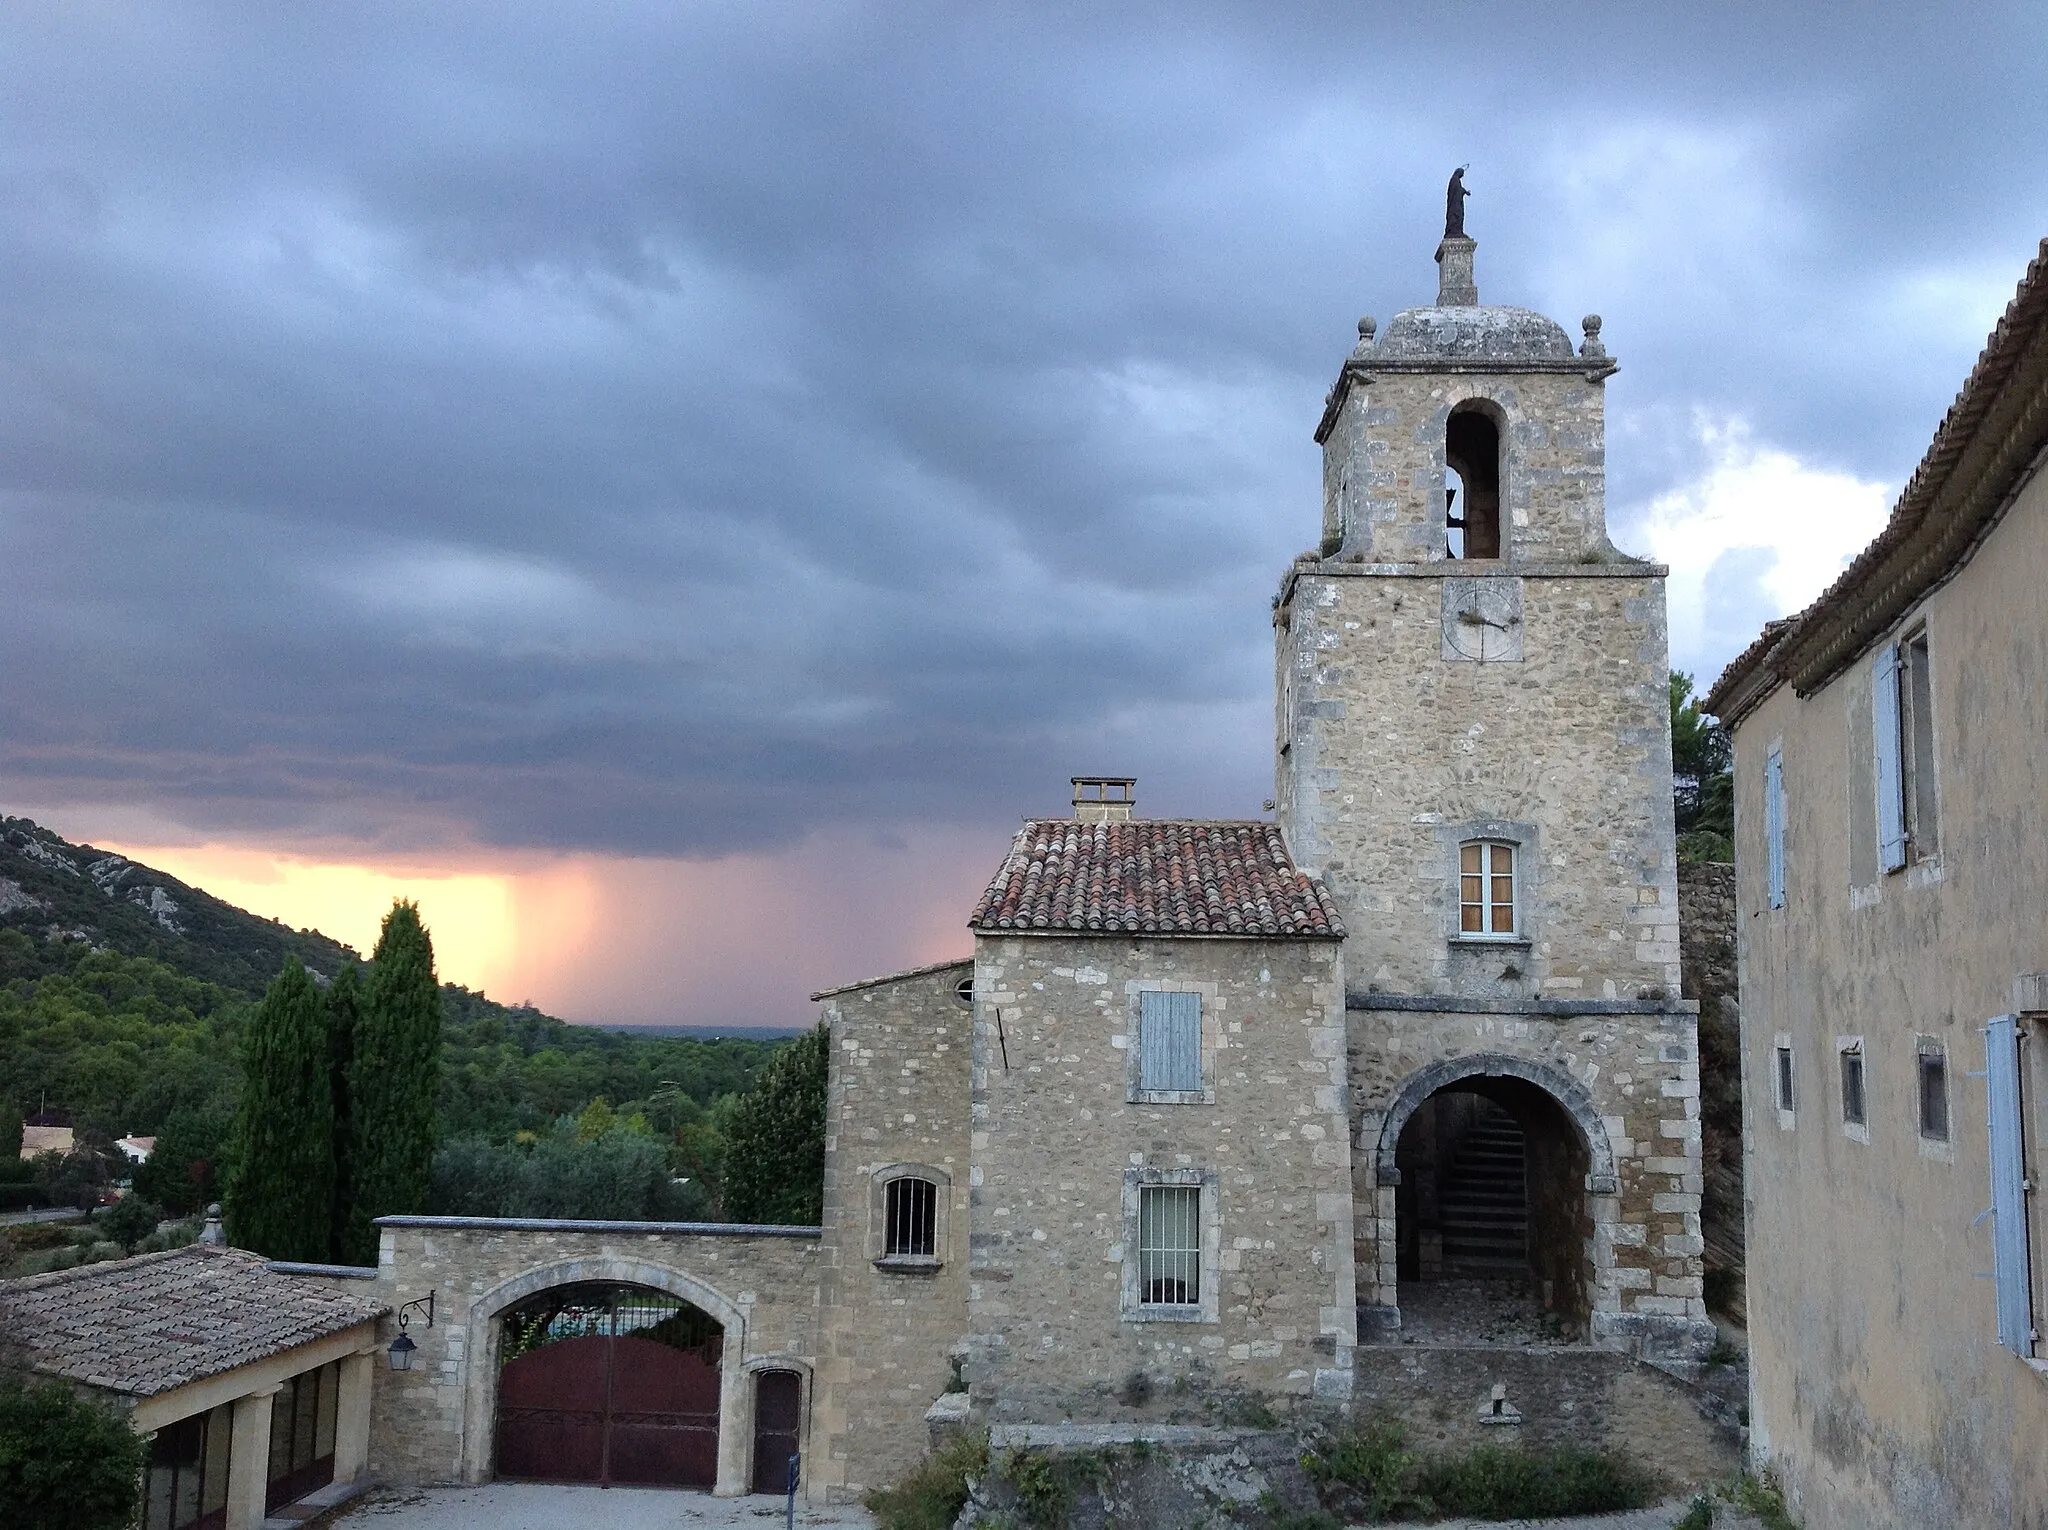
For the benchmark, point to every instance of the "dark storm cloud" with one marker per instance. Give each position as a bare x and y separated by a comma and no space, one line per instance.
671,429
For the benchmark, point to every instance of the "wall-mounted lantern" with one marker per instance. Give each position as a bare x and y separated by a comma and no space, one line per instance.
402,1347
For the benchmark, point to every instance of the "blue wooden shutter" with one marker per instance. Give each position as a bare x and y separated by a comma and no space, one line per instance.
1774,825
1170,1041
2010,1265
1891,802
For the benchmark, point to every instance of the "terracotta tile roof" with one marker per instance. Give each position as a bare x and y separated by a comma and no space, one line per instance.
159,1321
1155,877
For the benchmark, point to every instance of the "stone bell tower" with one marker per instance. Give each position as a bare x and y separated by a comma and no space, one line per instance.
1473,751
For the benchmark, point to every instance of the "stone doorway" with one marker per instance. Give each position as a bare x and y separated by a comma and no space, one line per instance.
1492,1216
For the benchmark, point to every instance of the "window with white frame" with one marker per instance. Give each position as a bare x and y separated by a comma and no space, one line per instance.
1486,890
1902,705
1169,1043
1169,1245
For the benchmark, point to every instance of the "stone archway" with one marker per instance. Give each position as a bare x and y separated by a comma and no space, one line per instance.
1566,1177
481,1353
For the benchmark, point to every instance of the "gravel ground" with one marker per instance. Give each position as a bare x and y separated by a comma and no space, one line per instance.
538,1506
1660,1518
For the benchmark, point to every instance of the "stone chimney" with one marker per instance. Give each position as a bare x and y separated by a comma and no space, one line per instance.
1456,287
1104,799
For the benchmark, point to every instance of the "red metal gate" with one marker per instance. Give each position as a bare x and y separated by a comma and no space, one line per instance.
609,1384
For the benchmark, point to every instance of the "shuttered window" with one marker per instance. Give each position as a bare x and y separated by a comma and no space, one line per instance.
1170,1245
1170,1042
1774,825
1891,808
2010,1260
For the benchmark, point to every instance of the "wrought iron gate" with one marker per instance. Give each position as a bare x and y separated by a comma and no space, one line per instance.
609,1383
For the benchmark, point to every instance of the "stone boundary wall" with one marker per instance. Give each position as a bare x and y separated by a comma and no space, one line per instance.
435,1422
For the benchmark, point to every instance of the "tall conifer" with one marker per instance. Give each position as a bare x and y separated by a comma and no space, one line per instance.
344,1017
394,1077
281,1200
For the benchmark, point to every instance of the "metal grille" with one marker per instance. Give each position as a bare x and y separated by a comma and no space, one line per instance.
911,1206
1170,1245
1170,1042
608,1312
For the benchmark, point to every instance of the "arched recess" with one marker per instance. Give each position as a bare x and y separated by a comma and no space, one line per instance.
1574,1255
480,1369
1475,450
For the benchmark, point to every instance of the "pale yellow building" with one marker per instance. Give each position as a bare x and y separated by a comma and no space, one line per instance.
1891,762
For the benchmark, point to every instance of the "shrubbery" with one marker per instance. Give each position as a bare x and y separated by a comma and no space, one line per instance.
66,1463
931,1497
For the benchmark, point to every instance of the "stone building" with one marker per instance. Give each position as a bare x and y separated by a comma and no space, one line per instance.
1890,782
1244,1114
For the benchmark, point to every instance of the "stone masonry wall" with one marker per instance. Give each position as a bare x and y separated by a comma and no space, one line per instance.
1390,755
1706,937
1053,1207
435,1422
901,1053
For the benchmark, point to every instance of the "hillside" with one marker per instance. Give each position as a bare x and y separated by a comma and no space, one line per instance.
123,991
53,890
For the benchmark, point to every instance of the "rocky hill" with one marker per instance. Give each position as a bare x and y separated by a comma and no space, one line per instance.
53,889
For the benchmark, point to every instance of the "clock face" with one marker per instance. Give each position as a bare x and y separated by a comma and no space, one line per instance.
1482,619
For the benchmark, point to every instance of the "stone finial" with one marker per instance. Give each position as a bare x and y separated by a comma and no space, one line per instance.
212,1232
1367,327
1456,286
1591,325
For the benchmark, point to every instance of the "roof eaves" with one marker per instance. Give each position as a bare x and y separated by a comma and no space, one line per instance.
894,977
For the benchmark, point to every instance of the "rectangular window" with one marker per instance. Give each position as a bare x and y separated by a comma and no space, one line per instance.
1902,704
1933,1094
1853,1110
1486,888
911,1214
1784,1078
1170,1245
1170,1042
1774,826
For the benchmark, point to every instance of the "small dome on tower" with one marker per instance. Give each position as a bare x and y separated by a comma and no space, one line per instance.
1490,332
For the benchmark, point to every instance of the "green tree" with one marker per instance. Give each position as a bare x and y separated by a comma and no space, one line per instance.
344,1019
66,1462
185,1172
130,1219
1702,790
774,1155
280,1200
394,1076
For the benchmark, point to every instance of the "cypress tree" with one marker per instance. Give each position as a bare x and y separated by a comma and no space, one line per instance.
774,1156
281,1201
344,1017
393,1079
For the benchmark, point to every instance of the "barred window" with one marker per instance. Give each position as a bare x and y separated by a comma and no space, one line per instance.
1170,1245
1486,888
1170,1042
911,1213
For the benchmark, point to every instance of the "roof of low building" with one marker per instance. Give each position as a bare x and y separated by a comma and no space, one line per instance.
157,1322
1155,877
1991,441
894,977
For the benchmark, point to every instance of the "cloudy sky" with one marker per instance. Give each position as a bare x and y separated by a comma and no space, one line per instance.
671,484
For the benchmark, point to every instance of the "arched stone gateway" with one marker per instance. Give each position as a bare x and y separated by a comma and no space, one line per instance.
703,1441
1495,1172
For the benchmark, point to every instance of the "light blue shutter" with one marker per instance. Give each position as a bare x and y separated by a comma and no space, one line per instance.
1774,825
1170,1041
1891,802
2008,1188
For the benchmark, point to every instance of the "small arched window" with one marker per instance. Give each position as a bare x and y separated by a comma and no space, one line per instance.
910,1219
1472,481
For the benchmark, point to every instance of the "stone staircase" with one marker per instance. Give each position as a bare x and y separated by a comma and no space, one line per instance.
1483,1201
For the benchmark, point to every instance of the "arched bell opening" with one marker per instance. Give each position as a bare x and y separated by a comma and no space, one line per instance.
1472,482
608,1383
1492,1220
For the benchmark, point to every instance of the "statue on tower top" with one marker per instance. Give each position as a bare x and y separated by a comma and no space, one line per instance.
1454,204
